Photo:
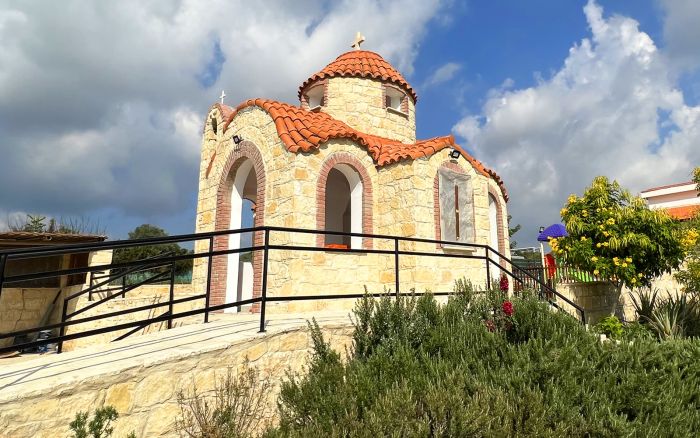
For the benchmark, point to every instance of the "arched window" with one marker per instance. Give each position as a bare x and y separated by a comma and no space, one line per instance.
343,206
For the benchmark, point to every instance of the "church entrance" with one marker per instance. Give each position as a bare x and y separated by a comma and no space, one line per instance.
240,272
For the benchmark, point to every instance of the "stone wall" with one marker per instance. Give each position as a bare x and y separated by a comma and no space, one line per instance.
23,308
403,204
599,299
144,393
141,296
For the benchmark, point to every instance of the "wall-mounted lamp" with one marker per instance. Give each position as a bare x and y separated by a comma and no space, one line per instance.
236,139
454,153
541,229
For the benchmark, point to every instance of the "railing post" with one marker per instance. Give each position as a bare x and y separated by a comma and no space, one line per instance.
62,330
206,299
488,270
396,266
3,262
172,295
90,287
123,285
263,294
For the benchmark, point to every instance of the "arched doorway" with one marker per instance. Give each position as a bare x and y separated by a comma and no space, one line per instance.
243,198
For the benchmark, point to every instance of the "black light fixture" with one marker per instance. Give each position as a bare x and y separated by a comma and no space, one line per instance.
454,153
541,229
236,139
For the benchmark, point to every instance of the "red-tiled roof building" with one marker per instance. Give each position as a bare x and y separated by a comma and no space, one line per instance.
345,158
679,200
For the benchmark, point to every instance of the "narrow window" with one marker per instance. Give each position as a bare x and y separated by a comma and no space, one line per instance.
456,207
315,97
343,207
394,99
214,126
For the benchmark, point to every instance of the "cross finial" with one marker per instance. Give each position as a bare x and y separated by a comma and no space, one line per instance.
359,39
223,94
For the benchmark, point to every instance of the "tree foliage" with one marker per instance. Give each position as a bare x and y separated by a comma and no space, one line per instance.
512,231
617,237
135,253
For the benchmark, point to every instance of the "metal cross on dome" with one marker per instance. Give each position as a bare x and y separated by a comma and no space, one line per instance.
223,94
359,39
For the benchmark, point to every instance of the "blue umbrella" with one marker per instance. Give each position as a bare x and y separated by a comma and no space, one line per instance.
552,231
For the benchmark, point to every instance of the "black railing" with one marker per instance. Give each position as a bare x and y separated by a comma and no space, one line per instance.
478,252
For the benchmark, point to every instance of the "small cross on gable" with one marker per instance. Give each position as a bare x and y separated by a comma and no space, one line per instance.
223,94
359,39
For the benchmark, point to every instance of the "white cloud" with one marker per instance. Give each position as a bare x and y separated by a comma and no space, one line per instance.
682,33
100,103
442,74
602,113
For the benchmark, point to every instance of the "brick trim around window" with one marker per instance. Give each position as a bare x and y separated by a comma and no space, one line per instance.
245,150
499,221
304,96
451,165
367,195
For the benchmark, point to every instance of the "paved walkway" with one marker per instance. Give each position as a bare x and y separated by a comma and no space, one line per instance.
21,378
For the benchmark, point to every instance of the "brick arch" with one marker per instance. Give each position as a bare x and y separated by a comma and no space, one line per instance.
244,151
367,195
453,166
499,221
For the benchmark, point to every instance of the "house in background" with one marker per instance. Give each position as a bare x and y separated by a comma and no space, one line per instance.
680,200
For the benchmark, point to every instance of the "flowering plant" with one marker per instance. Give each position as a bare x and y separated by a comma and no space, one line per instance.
618,238
503,283
501,318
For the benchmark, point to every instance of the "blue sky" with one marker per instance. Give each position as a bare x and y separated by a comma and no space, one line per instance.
102,104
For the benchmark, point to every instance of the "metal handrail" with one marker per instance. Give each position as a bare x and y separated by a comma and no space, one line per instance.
170,260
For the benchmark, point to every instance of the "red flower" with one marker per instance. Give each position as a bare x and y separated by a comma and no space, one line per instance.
507,308
504,283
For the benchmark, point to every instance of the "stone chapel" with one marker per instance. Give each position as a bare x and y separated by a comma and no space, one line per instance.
345,158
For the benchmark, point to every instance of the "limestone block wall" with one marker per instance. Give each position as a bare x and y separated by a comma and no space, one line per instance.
23,308
598,299
141,296
145,394
359,102
402,204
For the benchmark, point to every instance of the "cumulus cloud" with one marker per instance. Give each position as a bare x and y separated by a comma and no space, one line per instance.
101,103
612,109
442,74
682,33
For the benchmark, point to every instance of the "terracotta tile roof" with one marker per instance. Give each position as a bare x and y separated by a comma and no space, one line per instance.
364,64
685,212
303,131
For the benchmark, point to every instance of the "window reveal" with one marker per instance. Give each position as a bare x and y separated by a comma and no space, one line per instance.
456,207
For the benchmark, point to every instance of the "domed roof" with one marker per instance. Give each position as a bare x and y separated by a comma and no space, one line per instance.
363,64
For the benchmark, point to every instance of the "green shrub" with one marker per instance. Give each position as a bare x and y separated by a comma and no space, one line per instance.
610,326
234,410
422,369
99,427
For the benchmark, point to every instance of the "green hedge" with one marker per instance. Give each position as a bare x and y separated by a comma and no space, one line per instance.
418,368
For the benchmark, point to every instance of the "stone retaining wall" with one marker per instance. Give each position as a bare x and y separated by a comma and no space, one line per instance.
145,394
